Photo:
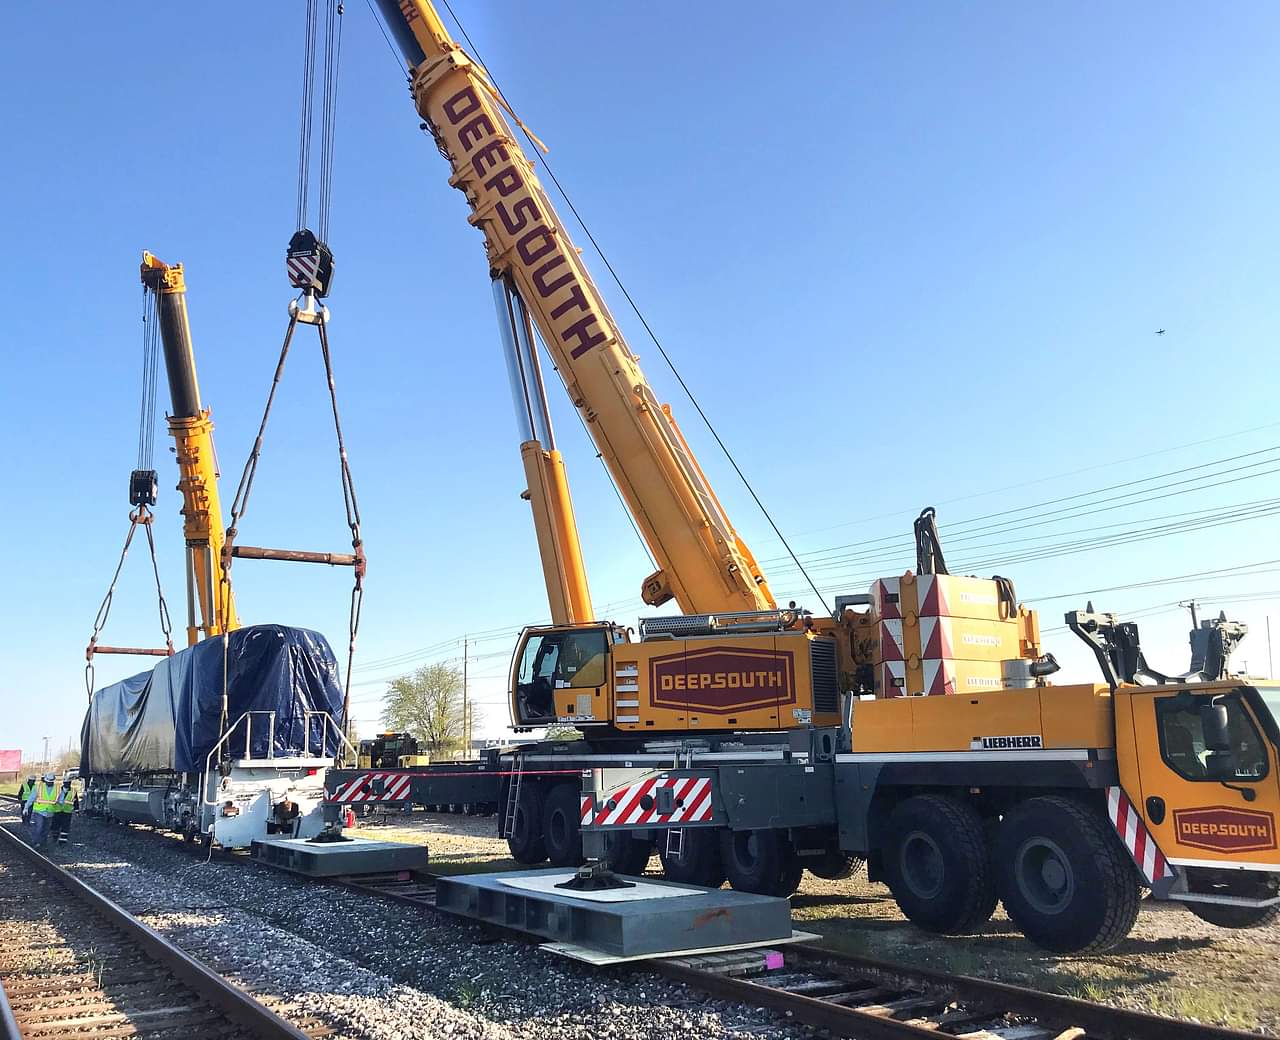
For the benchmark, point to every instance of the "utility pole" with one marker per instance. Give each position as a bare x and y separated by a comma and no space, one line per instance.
466,714
1191,605
46,754
1271,668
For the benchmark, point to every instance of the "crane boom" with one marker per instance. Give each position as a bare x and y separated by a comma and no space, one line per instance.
192,432
704,565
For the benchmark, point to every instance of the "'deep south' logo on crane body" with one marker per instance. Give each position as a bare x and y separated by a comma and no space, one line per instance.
1223,828
722,680
511,209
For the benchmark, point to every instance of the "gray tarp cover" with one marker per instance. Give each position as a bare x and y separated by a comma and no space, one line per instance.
168,718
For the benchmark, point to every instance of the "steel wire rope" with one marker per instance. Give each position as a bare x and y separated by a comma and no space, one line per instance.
304,131
640,315
889,555
1048,477
142,515
815,555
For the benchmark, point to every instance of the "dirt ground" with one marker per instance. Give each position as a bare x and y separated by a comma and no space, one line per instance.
1172,963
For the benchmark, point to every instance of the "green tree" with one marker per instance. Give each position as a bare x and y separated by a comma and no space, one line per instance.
427,704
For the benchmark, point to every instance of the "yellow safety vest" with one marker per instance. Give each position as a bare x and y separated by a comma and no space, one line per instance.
66,801
46,798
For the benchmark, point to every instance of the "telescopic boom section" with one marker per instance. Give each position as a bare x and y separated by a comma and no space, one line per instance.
704,565
192,432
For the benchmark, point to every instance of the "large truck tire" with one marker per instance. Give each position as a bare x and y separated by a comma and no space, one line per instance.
525,840
1064,877
699,862
834,865
760,861
1224,915
624,854
938,865
560,833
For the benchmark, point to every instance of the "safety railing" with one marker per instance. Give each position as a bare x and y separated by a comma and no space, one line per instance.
329,727
245,721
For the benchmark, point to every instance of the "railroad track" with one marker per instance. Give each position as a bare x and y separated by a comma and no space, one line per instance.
871,1000
850,996
75,966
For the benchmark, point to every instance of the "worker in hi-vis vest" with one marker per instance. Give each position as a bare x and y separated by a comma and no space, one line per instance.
41,805
62,810
24,792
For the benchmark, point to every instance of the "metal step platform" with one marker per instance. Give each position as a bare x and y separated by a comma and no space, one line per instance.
329,859
652,919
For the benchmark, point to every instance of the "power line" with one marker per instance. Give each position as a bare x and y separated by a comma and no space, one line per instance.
956,528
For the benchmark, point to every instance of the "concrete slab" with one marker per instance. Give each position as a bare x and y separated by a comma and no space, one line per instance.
682,919
328,859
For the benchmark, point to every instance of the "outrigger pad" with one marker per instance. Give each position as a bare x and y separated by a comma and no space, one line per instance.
351,856
651,918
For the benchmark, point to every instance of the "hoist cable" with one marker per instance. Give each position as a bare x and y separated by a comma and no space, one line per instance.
150,378
329,111
643,321
304,130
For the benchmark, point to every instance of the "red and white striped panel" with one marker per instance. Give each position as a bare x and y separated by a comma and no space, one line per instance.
692,800
885,599
302,270
1137,839
395,788
893,679
939,678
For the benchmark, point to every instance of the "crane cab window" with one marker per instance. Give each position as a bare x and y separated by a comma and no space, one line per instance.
558,661
1184,748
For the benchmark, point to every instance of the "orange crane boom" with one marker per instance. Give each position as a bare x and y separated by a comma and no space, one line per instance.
703,564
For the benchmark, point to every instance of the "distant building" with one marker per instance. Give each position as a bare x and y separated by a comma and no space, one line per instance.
10,765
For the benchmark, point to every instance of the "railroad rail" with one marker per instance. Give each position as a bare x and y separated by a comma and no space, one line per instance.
872,1000
76,965
852,996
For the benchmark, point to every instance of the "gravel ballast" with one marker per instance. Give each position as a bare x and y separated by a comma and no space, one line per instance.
371,968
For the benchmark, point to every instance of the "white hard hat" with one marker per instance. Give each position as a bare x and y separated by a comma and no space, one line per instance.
51,776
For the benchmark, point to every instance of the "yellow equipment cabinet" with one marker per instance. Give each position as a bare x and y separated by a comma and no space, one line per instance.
677,678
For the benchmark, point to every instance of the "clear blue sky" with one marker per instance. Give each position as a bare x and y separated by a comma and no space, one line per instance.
905,253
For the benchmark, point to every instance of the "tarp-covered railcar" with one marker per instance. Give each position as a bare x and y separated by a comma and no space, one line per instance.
168,719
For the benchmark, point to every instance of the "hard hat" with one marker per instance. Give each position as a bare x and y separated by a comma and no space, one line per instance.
50,776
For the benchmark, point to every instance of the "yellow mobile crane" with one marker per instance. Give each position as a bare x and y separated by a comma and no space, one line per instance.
210,604
727,746
733,660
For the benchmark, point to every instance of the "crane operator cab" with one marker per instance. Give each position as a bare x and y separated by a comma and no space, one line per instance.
560,675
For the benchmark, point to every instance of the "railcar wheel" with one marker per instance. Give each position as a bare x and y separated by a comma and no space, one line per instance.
560,833
938,865
1064,877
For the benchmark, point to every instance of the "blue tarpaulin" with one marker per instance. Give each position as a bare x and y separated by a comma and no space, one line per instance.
169,718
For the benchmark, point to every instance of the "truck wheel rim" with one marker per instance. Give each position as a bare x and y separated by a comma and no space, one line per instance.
922,865
1044,875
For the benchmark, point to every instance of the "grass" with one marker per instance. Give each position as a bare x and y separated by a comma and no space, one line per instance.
1205,1004
10,786
465,995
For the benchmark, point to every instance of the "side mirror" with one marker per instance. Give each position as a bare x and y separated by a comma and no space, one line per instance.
1213,723
1221,765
